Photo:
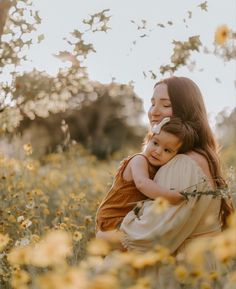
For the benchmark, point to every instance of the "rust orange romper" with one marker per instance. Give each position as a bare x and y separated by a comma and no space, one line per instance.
120,199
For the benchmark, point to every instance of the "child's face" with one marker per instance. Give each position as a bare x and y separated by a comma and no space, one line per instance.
161,148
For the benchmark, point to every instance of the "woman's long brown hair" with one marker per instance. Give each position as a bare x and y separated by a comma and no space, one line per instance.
187,103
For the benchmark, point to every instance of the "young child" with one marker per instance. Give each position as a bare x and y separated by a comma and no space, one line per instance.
133,181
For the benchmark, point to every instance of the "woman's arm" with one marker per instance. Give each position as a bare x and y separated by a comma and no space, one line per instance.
151,189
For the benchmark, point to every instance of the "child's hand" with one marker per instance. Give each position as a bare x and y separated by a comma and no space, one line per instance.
175,197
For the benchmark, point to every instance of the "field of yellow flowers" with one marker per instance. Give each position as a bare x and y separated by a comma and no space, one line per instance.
47,211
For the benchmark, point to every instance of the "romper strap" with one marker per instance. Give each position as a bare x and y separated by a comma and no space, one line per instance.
125,162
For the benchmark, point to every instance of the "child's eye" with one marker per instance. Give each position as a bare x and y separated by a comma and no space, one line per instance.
167,151
155,143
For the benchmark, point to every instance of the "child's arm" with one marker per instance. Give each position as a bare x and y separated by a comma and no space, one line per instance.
140,175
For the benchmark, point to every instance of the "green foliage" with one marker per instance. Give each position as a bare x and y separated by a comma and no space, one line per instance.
103,120
37,94
226,132
16,36
181,54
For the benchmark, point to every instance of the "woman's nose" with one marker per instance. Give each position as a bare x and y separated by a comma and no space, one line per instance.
155,110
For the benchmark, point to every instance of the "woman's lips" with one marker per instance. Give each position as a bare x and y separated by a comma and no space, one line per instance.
153,122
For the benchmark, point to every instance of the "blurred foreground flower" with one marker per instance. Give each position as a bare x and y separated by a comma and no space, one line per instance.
74,278
4,239
223,245
104,281
181,273
196,250
50,251
231,221
160,205
20,278
222,34
28,149
98,247
146,259
77,236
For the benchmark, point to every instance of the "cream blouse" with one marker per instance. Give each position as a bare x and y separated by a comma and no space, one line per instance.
179,223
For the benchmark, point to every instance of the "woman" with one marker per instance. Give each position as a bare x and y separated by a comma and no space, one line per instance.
198,169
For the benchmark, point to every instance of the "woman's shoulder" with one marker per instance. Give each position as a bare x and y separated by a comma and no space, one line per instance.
191,162
200,161
181,172
193,158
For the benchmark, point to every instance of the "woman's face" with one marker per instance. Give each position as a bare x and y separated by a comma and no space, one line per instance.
160,104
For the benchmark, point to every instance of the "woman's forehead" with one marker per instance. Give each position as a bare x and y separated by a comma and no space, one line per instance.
161,92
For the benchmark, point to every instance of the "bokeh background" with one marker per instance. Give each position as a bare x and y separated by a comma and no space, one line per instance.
76,78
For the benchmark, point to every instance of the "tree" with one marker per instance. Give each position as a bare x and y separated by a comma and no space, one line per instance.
19,98
103,120
4,8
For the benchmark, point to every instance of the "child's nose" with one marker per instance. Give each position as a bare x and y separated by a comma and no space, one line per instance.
158,150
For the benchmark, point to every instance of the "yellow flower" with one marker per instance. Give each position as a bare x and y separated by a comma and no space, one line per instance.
26,223
196,273
160,205
72,279
146,259
232,277
30,166
163,254
213,275
196,250
34,238
52,249
19,256
221,34
37,192
46,211
205,285
231,221
142,283
104,281
88,220
98,247
11,219
4,239
28,149
19,278
223,245
181,273
77,236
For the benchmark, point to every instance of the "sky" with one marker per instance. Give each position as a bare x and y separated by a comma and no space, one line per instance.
118,58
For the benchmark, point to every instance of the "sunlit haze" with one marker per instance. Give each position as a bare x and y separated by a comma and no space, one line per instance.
117,57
